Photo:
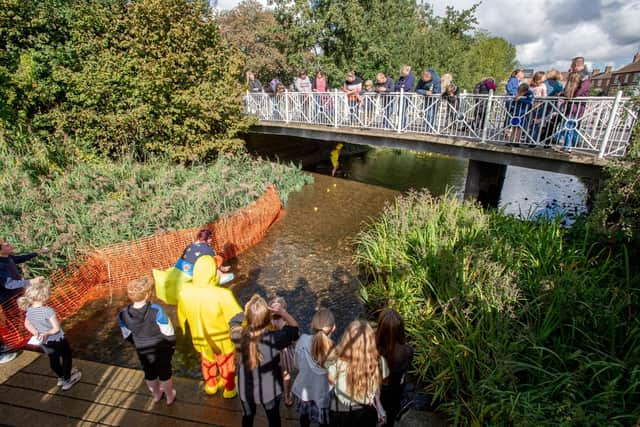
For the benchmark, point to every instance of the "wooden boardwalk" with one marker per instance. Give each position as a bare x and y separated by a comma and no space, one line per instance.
108,396
112,396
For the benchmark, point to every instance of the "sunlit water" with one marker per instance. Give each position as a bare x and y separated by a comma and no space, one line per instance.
306,256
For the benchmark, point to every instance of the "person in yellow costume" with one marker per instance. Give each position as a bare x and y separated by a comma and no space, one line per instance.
208,308
335,158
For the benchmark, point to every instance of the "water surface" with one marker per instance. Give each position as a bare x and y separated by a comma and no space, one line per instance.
306,256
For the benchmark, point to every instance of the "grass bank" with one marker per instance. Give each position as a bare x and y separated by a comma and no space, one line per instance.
513,322
96,203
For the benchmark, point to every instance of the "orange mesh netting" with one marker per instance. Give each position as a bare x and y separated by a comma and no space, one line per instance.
111,268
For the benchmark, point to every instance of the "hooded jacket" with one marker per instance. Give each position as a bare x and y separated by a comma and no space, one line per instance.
432,85
148,327
311,383
208,309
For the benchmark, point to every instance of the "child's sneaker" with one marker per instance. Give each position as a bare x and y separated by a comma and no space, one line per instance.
61,380
75,377
7,357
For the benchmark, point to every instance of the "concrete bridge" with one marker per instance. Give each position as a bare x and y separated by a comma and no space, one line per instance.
575,136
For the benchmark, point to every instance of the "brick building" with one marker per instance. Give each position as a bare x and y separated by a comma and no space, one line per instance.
627,77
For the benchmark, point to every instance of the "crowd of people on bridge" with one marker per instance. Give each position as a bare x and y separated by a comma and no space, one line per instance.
521,113
257,353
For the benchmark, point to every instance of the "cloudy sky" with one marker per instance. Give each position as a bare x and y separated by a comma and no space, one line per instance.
547,33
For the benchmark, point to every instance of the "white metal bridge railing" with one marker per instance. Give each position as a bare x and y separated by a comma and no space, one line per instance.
598,125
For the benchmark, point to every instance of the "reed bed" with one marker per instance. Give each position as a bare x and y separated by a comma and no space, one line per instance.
513,322
93,203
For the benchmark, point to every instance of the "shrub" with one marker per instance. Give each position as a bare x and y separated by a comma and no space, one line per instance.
90,205
137,78
513,323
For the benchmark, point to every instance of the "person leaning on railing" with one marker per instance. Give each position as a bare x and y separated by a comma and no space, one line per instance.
404,83
253,84
429,85
384,86
572,110
352,87
483,87
320,84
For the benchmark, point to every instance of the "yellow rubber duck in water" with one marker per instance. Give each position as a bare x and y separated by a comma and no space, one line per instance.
208,308
335,156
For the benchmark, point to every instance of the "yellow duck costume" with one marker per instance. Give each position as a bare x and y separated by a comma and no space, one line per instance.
208,308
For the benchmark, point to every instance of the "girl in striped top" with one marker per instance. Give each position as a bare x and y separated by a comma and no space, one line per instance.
43,323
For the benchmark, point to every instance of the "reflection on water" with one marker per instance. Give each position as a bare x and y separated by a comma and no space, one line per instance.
306,257
402,170
533,193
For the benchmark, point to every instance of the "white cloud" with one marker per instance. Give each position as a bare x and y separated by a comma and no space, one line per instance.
548,33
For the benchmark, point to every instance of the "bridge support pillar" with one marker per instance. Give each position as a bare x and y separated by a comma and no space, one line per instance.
484,182
593,185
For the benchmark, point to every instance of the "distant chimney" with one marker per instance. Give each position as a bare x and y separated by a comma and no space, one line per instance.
608,68
596,71
636,57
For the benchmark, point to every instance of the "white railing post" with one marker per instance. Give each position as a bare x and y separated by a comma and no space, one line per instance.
400,110
335,108
612,122
286,106
485,120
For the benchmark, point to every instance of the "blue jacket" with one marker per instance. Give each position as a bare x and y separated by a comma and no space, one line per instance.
523,104
405,83
512,86
432,85
11,281
554,87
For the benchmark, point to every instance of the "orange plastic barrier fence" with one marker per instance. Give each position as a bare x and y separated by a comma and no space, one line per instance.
111,268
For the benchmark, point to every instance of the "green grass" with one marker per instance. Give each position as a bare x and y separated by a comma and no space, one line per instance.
513,322
89,204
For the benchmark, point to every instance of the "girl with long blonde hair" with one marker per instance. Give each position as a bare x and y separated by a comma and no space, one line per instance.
357,370
259,373
311,387
43,323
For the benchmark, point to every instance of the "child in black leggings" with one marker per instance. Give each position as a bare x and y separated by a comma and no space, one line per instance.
149,329
43,323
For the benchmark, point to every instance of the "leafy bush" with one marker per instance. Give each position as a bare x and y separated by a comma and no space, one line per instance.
91,205
132,78
617,209
513,323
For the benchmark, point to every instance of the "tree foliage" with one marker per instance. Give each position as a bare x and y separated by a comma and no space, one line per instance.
252,29
372,36
142,77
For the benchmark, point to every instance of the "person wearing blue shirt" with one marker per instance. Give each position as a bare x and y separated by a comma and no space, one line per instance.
521,107
405,83
428,85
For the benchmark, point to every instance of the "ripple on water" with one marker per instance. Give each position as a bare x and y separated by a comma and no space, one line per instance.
305,258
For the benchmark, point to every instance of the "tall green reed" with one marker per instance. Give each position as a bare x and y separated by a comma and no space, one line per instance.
93,204
513,322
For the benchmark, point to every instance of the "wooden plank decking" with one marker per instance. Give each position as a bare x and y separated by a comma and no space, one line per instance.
108,396
113,396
